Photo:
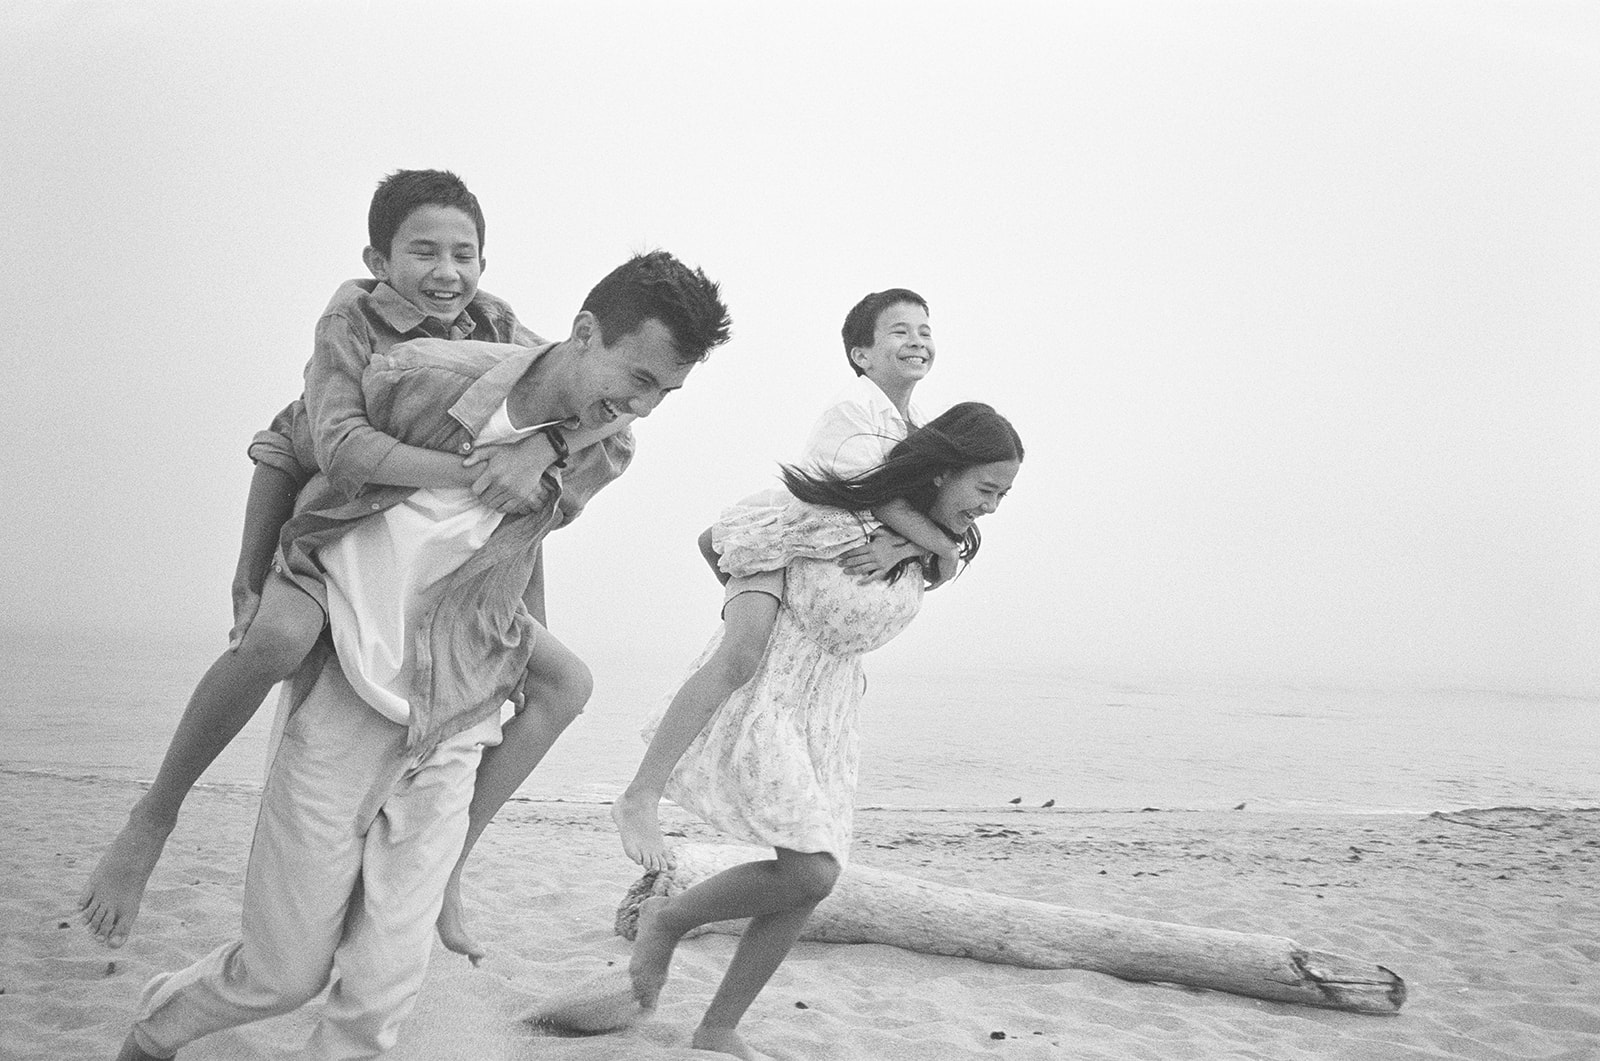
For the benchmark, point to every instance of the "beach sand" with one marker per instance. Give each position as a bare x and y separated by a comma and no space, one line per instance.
1492,917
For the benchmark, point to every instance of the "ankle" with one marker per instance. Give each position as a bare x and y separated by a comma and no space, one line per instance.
153,818
641,795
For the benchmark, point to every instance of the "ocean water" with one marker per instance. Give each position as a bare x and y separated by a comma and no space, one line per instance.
969,737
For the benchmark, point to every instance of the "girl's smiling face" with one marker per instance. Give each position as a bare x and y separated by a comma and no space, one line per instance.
971,492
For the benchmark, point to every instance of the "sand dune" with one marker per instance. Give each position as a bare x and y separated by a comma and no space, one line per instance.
1492,917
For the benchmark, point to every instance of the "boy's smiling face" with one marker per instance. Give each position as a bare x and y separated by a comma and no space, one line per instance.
902,347
434,261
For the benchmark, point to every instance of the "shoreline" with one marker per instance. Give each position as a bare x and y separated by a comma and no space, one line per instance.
254,789
1492,916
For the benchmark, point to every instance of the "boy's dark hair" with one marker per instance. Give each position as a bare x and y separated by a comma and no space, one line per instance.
964,435
404,190
861,323
658,286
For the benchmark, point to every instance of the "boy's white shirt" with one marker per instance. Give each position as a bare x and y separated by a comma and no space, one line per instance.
857,430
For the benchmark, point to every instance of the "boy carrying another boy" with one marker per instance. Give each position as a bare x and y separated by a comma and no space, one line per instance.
371,795
888,344
426,256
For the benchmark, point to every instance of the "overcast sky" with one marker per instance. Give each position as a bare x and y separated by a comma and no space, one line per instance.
1294,305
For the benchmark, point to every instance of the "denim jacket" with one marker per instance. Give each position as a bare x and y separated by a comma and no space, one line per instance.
472,647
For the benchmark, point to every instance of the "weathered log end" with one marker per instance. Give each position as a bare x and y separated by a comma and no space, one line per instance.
1349,983
627,923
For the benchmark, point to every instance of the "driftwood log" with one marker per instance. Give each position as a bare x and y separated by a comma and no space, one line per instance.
876,906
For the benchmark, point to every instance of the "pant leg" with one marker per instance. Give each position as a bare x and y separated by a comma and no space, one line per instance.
336,762
410,851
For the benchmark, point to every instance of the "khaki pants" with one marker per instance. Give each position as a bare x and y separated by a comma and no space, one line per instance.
355,841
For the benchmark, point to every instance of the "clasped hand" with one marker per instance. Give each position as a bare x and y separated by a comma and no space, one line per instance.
513,479
873,559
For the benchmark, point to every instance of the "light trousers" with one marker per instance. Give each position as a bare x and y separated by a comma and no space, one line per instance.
355,841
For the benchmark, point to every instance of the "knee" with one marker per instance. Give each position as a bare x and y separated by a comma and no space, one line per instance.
813,877
737,661
562,689
275,649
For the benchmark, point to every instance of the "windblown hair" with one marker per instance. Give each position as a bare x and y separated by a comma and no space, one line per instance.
861,323
404,190
961,437
658,286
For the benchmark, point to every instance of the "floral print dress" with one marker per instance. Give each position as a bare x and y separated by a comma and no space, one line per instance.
777,764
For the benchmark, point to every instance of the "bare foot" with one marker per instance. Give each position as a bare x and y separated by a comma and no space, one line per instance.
131,1051
452,923
110,901
653,945
725,1041
641,831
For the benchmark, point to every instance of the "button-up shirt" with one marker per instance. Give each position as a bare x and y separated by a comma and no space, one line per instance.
472,646
856,432
327,429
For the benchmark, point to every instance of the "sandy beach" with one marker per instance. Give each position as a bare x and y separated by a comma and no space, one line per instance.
1492,917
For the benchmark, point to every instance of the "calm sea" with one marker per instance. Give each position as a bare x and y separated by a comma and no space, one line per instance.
967,738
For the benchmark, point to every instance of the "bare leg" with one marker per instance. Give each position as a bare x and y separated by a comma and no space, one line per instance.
778,895
765,943
556,689
747,626
228,695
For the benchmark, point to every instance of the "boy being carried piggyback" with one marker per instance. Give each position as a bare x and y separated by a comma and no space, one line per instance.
426,232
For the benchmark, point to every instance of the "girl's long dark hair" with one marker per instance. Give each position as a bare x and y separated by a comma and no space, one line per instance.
965,435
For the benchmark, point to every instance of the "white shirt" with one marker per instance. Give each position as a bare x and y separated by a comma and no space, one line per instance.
381,577
856,432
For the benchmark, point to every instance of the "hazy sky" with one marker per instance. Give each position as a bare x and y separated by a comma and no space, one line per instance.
1294,305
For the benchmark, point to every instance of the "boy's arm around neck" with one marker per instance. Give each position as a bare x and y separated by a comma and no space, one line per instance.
919,530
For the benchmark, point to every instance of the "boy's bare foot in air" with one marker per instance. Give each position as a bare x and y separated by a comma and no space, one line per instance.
725,1041
653,944
641,830
452,923
110,901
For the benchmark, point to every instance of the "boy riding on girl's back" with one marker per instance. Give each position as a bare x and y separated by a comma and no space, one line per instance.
426,255
888,344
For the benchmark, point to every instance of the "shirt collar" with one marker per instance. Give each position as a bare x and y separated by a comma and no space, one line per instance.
490,390
871,395
404,317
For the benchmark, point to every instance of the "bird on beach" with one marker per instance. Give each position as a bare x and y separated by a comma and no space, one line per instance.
1048,803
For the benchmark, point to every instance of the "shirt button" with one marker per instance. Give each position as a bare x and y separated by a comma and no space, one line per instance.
374,506
466,447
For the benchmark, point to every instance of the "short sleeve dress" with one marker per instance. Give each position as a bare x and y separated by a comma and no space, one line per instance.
777,764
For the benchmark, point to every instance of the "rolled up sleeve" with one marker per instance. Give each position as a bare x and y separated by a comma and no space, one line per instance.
285,444
592,469
348,448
